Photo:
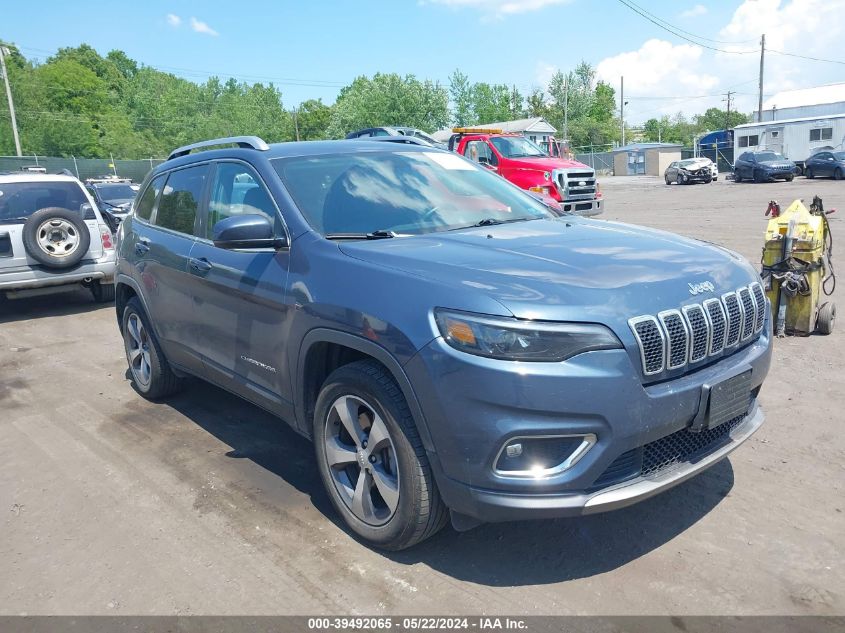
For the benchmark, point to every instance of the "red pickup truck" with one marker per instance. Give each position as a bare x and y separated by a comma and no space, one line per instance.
570,183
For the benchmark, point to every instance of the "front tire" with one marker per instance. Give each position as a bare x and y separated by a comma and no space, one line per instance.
737,177
372,461
679,179
809,173
758,176
150,371
790,178
837,174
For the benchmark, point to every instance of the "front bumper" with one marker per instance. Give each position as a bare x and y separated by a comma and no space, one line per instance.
587,208
473,406
27,277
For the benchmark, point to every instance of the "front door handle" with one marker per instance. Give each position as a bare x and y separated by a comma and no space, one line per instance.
142,247
200,265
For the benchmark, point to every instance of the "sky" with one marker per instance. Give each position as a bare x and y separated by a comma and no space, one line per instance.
310,49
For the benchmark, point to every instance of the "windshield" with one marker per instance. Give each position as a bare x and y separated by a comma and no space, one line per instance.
839,155
764,156
693,161
113,193
516,147
404,192
19,200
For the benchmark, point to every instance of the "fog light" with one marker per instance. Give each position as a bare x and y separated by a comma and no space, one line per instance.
542,456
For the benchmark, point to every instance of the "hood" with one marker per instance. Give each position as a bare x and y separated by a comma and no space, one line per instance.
776,163
548,163
568,268
697,165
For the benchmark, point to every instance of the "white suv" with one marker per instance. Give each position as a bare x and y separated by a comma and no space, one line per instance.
52,238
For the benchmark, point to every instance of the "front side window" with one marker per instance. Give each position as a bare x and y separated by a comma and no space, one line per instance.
407,192
480,152
177,209
237,190
19,200
516,147
144,206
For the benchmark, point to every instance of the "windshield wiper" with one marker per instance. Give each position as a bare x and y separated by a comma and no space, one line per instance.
379,234
492,222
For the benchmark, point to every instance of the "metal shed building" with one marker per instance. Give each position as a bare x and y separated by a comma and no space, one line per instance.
644,158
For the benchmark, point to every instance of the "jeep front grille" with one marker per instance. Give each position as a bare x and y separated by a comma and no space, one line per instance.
677,338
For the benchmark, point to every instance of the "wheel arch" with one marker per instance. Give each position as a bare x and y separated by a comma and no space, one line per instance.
125,289
310,362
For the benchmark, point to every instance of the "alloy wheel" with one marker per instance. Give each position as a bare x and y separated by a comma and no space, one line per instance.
361,460
137,344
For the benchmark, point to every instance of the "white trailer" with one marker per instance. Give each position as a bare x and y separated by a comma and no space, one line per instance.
797,139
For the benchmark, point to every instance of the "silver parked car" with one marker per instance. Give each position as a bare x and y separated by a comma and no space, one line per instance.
52,238
690,170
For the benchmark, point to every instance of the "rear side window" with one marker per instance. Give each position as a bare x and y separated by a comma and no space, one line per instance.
19,200
144,208
237,190
177,209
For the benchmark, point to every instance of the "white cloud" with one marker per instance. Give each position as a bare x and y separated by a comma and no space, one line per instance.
202,27
173,20
686,71
497,8
694,12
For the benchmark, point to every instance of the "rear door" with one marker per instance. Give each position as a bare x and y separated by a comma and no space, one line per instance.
239,295
163,249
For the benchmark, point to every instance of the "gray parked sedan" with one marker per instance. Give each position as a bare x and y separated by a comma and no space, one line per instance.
830,164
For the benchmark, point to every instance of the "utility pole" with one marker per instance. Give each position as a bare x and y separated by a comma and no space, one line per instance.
622,106
566,111
296,123
3,52
760,99
728,114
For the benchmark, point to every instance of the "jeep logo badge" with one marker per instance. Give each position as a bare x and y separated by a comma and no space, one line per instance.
704,286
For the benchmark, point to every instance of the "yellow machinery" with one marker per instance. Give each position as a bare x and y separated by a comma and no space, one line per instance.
797,268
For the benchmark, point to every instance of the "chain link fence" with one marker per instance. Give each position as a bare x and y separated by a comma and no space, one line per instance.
83,168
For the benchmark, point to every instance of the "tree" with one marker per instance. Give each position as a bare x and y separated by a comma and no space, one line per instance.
313,119
460,92
535,103
389,99
715,119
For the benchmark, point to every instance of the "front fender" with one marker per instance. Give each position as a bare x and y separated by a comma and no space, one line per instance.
365,346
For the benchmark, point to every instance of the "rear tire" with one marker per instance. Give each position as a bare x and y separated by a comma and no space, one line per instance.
737,177
827,318
151,374
383,488
102,292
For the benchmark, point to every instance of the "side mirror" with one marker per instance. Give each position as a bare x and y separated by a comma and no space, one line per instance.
246,231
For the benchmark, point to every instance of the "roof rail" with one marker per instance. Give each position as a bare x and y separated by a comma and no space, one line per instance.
252,142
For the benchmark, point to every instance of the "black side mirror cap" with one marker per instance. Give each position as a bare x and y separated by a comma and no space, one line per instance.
246,231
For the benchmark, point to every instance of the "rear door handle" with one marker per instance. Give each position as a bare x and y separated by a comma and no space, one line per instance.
200,265
142,247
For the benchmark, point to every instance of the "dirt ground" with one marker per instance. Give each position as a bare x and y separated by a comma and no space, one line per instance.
206,505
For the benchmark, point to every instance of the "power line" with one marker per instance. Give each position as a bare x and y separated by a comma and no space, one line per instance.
677,28
647,16
678,32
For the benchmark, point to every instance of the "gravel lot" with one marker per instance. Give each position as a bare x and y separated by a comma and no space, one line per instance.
206,505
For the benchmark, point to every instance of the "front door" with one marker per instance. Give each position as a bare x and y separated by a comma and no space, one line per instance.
239,295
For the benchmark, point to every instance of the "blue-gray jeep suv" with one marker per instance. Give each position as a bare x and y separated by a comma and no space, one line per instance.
446,340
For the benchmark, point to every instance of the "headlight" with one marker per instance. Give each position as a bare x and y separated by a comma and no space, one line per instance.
513,339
